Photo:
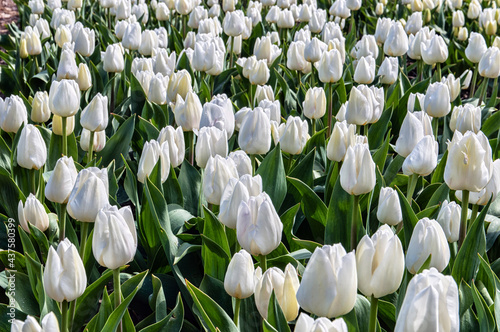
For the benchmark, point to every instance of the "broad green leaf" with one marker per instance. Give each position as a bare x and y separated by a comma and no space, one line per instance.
486,321
215,263
190,183
173,322
339,214
273,176
118,144
409,218
275,315
55,149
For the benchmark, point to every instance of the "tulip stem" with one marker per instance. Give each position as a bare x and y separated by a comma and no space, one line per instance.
354,222
64,316
117,291
475,209
412,183
313,124
191,152
91,148
71,316
251,96
463,221
64,139
373,314
435,126
473,83
263,263
330,109
438,67
231,53
184,18
484,92
252,158
237,304
83,237
33,181
62,222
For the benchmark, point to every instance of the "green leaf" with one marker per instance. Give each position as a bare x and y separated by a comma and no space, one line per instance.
275,315
55,149
380,155
339,213
172,322
190,183
210,313
439,196
10,195
172,189
288,219
214,262
438,175
273,176
486,321
410,219
378,129
118,144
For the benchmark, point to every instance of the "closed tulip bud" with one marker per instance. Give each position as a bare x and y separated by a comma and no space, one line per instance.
74,4
179,84
219,113
84,79
120,28
64,98
162,12
235,192
115,239
357,174
434,50
315,103
360,109
441,309
123,9
99,140
330,66
453,86
13,114
389,70
339,9
379,9
466,117
242,161
366,46
437,100
197,14
365,70
414,23
149,41
247,64
132,37
64,277
33,43
466,78
63,35
211,141
389,209
234,23
176,144
285,287
43,27
353,4
239,278
255,132
382,29
415,126
293,135
490,27
396,43
264,92
40,111
428,238
462,34
151,153
259,75
295,57
164,64
258,226
31,148
449,219
89,195
157,92
94,117
23,48
113,59
85,42
380,263
490,191
61,181
314,49
218,172
229,5
423,158
286,19
474,10
107,3
306,323
36,6
188,113
458,19
489,65
469,165
32,212
341,138
333,267
264,49
476,47
57,125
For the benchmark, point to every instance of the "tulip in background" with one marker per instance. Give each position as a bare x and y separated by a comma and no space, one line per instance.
449,219
49,323
415,126
176,144
315,104
389,70
343,136
332,267
389,208
32,212
187,111
211,141
466,118
219,113
431,303
94,117
437,100
306,323
428,238
40,111
217,174
151,154
357,174
423,158
293,135
13,114
365,70
255,132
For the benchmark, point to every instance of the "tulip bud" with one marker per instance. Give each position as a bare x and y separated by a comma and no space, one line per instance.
157,92
357,174
490,191
365,70
235,192
64,98
13,114
151,153
255,132
89,195
341,138
463,33
239,279
330,66
23,48
314,104
57,125
229,5
339,9
489,65
63,35
308,324
360,109
188,113
314,49
423,158
469,165
333,267
242,161
219,113
115,239
389,70
211,141
113,59
293,135
437,100
396,43
162,12
449,219
264,50
476,47
258,226
428,238
259,75
85,42
49,324
285,287
466,117
61,181
149,42
234,23
180,84
218,172
84,79
382,29
434,50
94,117
132,36
453,85
414,23
264,92
40,111
295,58
176,144
379,9
440,295
31,148
99,140
380,263
32,212
389,209
64,277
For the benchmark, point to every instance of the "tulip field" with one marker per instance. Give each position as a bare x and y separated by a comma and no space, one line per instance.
239,165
